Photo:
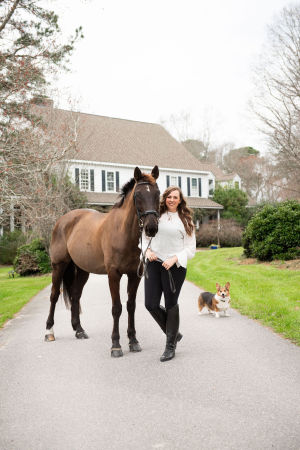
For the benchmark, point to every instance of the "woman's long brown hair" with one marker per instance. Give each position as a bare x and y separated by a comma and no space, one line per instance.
183,210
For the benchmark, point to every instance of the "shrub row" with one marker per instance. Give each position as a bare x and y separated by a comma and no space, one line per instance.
230,234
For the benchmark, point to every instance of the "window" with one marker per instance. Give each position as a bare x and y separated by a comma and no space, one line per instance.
110,181
194,190
236,185
210,187
84,180
172,180
110,178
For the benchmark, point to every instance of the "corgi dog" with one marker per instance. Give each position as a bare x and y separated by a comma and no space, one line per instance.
215,303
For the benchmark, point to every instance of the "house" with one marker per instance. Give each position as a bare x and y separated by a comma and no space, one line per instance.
231,180
108,150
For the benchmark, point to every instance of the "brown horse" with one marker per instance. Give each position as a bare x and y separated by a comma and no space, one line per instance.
85,241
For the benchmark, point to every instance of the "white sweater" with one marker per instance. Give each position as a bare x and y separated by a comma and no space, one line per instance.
172,239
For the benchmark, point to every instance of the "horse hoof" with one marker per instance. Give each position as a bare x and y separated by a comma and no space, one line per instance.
135,347
116,352
81,335
49,337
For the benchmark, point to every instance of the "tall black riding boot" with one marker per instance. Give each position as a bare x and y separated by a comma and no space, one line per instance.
171,332
160,316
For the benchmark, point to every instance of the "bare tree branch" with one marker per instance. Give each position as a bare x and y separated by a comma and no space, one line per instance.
7,18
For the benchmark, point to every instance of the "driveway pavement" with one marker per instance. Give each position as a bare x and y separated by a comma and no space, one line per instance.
233,384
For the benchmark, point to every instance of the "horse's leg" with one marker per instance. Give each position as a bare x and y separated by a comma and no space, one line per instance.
114,278
133,284
80,279
57,276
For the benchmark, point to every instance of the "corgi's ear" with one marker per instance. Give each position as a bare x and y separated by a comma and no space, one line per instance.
227,285
218,286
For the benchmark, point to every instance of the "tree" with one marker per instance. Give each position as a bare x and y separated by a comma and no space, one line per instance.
196,148
30,51
277,98
36,178
32,141
234,202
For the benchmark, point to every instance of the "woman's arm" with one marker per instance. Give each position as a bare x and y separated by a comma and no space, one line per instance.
189,250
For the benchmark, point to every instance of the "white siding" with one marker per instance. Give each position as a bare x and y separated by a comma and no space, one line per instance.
126,173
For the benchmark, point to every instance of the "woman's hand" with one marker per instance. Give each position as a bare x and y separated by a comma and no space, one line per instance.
168,263
151,255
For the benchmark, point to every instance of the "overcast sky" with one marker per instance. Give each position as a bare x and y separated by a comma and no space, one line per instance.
146,60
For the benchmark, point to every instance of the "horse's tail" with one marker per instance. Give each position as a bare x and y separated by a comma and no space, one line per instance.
68,280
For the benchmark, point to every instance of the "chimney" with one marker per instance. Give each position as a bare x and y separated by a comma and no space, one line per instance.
42,101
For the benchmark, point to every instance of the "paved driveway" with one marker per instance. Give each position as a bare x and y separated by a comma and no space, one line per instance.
232,385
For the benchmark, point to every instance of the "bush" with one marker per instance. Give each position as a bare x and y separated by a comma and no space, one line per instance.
230,234
32,259
234,202
274,233
9,243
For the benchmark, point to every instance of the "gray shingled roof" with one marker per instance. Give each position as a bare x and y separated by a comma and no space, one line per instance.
120,141
105,198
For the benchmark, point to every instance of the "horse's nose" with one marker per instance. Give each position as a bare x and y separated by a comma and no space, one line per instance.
151,227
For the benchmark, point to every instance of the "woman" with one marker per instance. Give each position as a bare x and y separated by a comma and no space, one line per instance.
169,251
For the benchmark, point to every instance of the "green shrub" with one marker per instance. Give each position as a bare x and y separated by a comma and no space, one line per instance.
9,243
230,234
274,233
234,202
32,259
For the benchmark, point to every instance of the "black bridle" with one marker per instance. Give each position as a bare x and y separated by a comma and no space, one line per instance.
140,215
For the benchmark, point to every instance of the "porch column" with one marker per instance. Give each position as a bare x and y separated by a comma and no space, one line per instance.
12,217
23,227
219,226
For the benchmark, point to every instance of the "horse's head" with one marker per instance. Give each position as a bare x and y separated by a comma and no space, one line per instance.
146,198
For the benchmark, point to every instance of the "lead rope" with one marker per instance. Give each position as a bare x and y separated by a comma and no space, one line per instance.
144,272
143,261
171,279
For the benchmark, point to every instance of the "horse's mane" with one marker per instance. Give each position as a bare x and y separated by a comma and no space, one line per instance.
127,188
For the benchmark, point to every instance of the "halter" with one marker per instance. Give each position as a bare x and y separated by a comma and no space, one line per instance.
141,227
145,213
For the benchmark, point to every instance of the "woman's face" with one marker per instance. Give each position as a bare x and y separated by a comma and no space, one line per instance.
173,200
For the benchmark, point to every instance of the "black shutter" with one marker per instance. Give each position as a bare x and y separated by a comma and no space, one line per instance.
92,180
168,181
188,186
117,181
103,181
179,182
199,187
77,177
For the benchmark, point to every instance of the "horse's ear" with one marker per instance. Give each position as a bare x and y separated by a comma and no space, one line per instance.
137,174
155,172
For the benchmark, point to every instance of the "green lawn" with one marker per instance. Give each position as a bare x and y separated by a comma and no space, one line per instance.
16,292
263,292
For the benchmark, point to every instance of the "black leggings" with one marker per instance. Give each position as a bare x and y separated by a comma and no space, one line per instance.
158,282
